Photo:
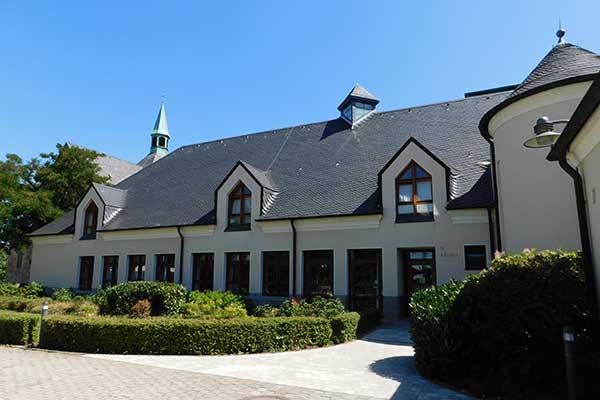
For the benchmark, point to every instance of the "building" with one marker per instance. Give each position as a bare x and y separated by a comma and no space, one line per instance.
369,206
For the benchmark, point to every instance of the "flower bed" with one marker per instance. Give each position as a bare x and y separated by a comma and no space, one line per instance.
121,335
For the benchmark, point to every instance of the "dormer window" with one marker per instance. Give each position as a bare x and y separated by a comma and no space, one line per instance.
240,207
90,222
357,105
414,196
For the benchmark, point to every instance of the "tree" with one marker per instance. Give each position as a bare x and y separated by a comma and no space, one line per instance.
35,193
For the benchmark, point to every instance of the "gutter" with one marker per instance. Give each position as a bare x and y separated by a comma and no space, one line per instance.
495,191
491,229
181,242
586,247
294,263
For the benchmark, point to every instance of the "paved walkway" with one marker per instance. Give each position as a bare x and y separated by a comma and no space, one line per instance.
380,366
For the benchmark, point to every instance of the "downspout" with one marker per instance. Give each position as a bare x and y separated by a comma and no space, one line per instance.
181,241
495,189
293,258
491,229
586,246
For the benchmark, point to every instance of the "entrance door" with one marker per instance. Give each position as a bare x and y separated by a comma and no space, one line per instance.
419,272
318,273
364,272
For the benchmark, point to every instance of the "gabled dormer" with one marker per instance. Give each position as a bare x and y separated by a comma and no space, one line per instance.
357,105
97,208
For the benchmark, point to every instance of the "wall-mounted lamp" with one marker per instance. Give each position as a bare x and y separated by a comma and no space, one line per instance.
545,135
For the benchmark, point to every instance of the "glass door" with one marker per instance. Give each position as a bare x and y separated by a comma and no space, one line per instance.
419,272
365,279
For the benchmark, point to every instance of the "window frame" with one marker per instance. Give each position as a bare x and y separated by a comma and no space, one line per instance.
466,249
244,287
141,273
86,280
199,262
413,181
164,269
113,279
309,274
243,225
91,208
282,279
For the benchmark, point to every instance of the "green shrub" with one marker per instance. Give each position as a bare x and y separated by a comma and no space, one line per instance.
30,291
18,328
344,326
165,298
183,336
62,295
21,304
78,308
501,333
320,307
369,319
209,304
141,309
265,310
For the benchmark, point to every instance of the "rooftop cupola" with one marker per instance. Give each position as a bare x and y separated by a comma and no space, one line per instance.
160,137
357,105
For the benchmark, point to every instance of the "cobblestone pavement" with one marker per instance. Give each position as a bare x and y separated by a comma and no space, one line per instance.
380,366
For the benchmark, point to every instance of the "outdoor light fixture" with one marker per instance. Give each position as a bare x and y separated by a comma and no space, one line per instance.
545,136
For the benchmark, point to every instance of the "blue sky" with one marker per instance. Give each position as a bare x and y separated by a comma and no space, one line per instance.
93,72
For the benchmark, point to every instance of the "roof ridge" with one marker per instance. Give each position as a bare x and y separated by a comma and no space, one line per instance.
264,132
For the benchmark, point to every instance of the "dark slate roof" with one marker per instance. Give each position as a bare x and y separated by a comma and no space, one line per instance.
358,93
319,169
62,225
564,61
111,196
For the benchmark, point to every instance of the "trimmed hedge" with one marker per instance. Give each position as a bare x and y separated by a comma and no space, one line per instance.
183,336
369,319
344,326
19,328
165,298
500,334
21,304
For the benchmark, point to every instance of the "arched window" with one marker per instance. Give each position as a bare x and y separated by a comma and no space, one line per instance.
414,196
90,222
240,206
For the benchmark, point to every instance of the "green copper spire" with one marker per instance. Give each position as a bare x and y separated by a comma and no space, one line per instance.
160,126
160,137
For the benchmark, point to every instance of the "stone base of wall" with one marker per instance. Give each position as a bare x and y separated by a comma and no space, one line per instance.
19,266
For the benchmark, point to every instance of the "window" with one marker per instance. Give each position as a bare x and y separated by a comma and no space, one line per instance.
162,142
154,139
364,279
240,207
90,222
203,271
238,272
165,268
137,267
276,273
475,258
86,272
110,271
318,273
414,198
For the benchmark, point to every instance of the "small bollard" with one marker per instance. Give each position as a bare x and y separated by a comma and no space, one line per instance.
570,362
44,314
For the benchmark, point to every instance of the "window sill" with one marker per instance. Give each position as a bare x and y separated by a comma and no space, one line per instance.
237,228
414,218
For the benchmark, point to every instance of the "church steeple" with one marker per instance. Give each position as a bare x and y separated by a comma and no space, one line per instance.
160,136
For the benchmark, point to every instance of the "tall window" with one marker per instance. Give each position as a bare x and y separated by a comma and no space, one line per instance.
240,206
137,267
238,272
165,268
86,272
414,198
90,221
276,273
110,271
318,273
475,258
203,271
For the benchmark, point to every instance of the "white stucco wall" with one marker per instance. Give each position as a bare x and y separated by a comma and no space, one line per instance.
536,197
56,258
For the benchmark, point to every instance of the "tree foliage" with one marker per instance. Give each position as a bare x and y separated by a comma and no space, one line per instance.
36,192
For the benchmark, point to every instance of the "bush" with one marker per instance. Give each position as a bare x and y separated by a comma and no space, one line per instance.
369,319
20,304
344,326
320,307
165,298
62,295
141,309
501,333
18,328
265,310
183,336
429,325
211,304
30,291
